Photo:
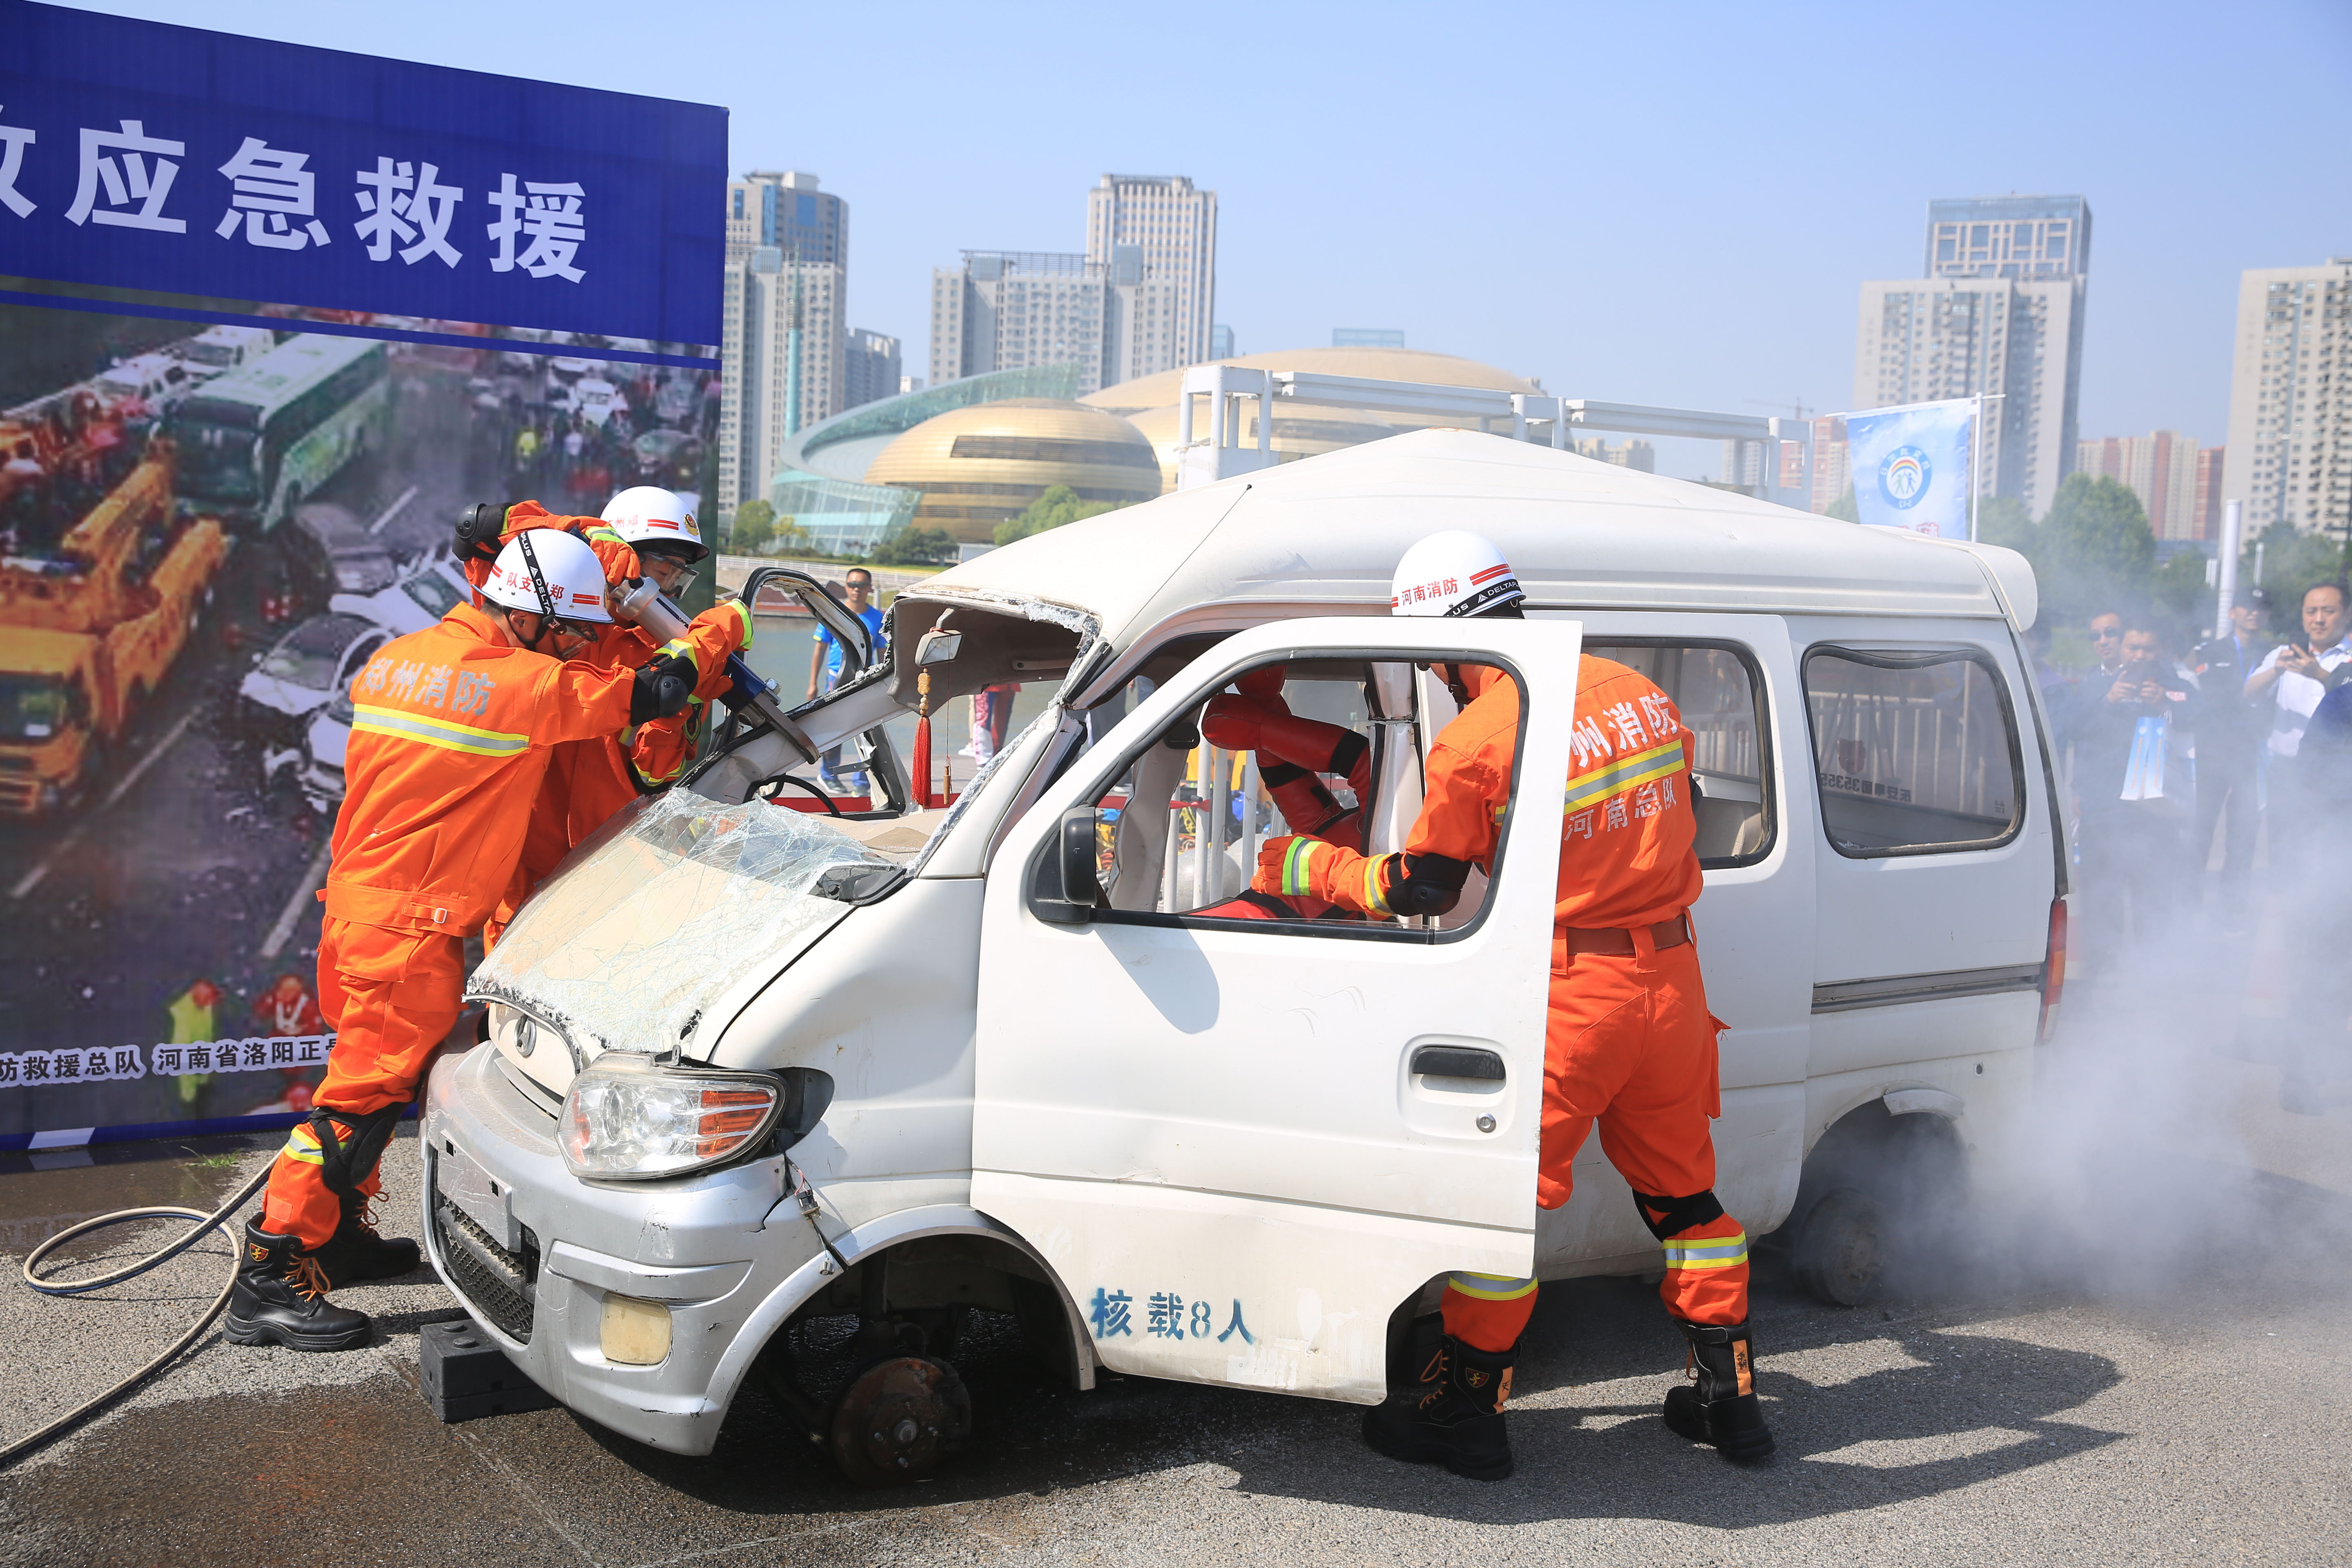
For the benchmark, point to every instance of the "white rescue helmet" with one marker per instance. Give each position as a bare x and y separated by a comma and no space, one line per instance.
547,570
648,514
1451,575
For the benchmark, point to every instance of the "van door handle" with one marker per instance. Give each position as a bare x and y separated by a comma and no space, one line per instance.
1457,1061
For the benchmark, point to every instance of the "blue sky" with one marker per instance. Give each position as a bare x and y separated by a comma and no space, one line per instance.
1659,204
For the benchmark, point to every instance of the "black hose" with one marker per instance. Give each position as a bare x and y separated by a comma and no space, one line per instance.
205,1224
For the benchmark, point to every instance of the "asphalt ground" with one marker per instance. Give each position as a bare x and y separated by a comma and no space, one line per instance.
2137,1355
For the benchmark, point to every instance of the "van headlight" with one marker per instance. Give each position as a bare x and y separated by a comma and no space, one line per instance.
627,1118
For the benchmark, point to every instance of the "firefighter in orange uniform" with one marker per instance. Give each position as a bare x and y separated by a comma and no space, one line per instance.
645,531
1628,1043
454,727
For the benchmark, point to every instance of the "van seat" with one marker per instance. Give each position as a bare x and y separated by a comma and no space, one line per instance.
1728,828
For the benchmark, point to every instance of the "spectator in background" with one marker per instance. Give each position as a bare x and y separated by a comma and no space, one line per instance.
2315,1046
826,665
2229,737
2296,676
992,717
2131,733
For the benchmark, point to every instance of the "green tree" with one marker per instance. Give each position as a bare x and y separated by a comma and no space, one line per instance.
2094,550
791,539
913,546
1058,506
2292,562
2003,522
2180,594
1844,507
754,525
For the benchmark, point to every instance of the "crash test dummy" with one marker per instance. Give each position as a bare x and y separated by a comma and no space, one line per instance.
453,728
649,530
1293,752
1629,1042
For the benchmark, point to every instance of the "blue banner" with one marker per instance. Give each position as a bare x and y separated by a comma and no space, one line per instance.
138,155
1910,466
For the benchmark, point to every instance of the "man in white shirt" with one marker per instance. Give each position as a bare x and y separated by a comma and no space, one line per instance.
2300,673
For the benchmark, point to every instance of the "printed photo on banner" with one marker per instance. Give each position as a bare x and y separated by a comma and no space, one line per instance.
257,352
1910,466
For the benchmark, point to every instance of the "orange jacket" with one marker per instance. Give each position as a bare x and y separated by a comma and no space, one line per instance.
1627,832
587,780
661,748
452,732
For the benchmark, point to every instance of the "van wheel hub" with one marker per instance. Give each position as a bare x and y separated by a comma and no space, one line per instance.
897,1418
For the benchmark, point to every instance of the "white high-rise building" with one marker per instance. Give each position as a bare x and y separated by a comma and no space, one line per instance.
1173,229
787,288
2161,468
1012,310
2000,314
2290,447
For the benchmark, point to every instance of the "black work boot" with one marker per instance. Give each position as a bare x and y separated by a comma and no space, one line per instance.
1452,1416
1719,1404
356,1254
280,1298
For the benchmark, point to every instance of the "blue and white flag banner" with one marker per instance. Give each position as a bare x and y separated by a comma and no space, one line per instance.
1910,466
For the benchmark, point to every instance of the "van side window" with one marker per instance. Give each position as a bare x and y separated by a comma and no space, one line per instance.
1915,752
1717,694
1328,750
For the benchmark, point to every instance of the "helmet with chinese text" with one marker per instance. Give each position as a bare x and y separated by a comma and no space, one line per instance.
651,517
1452,574
547,570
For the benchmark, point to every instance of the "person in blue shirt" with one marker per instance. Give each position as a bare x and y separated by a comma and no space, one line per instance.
826,667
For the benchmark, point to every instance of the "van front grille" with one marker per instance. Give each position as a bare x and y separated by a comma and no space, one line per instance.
496,1282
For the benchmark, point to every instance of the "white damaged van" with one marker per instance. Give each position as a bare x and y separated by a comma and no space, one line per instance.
753,1063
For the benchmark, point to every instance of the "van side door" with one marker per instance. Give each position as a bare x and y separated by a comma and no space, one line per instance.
1936,854
1243,1141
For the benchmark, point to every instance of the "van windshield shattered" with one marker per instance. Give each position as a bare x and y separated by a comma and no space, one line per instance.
670,907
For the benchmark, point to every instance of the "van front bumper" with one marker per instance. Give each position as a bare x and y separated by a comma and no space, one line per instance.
533,1252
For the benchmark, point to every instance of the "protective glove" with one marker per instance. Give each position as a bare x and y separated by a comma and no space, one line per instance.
1296,866
664,686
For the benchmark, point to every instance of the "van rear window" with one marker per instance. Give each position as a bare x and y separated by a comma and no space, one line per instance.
1915,752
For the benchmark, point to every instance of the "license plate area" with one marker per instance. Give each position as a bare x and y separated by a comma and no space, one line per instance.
474,1193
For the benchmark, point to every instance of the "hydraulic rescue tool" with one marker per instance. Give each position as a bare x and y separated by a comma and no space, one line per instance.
644,606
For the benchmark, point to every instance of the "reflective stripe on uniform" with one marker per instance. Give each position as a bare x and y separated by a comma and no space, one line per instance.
1707,1252
303,1144
391,722
1376,900
743,614
1294,865
1642,767
677,648
604,536
1491,1287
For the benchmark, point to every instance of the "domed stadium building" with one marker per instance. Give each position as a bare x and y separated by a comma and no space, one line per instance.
965,456
976,466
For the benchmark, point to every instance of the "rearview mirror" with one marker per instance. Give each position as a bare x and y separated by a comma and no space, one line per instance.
1067,885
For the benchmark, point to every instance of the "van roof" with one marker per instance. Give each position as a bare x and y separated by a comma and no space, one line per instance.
1328,530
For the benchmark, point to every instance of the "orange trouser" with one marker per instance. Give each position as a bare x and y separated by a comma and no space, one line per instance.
1629,1043
391,996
